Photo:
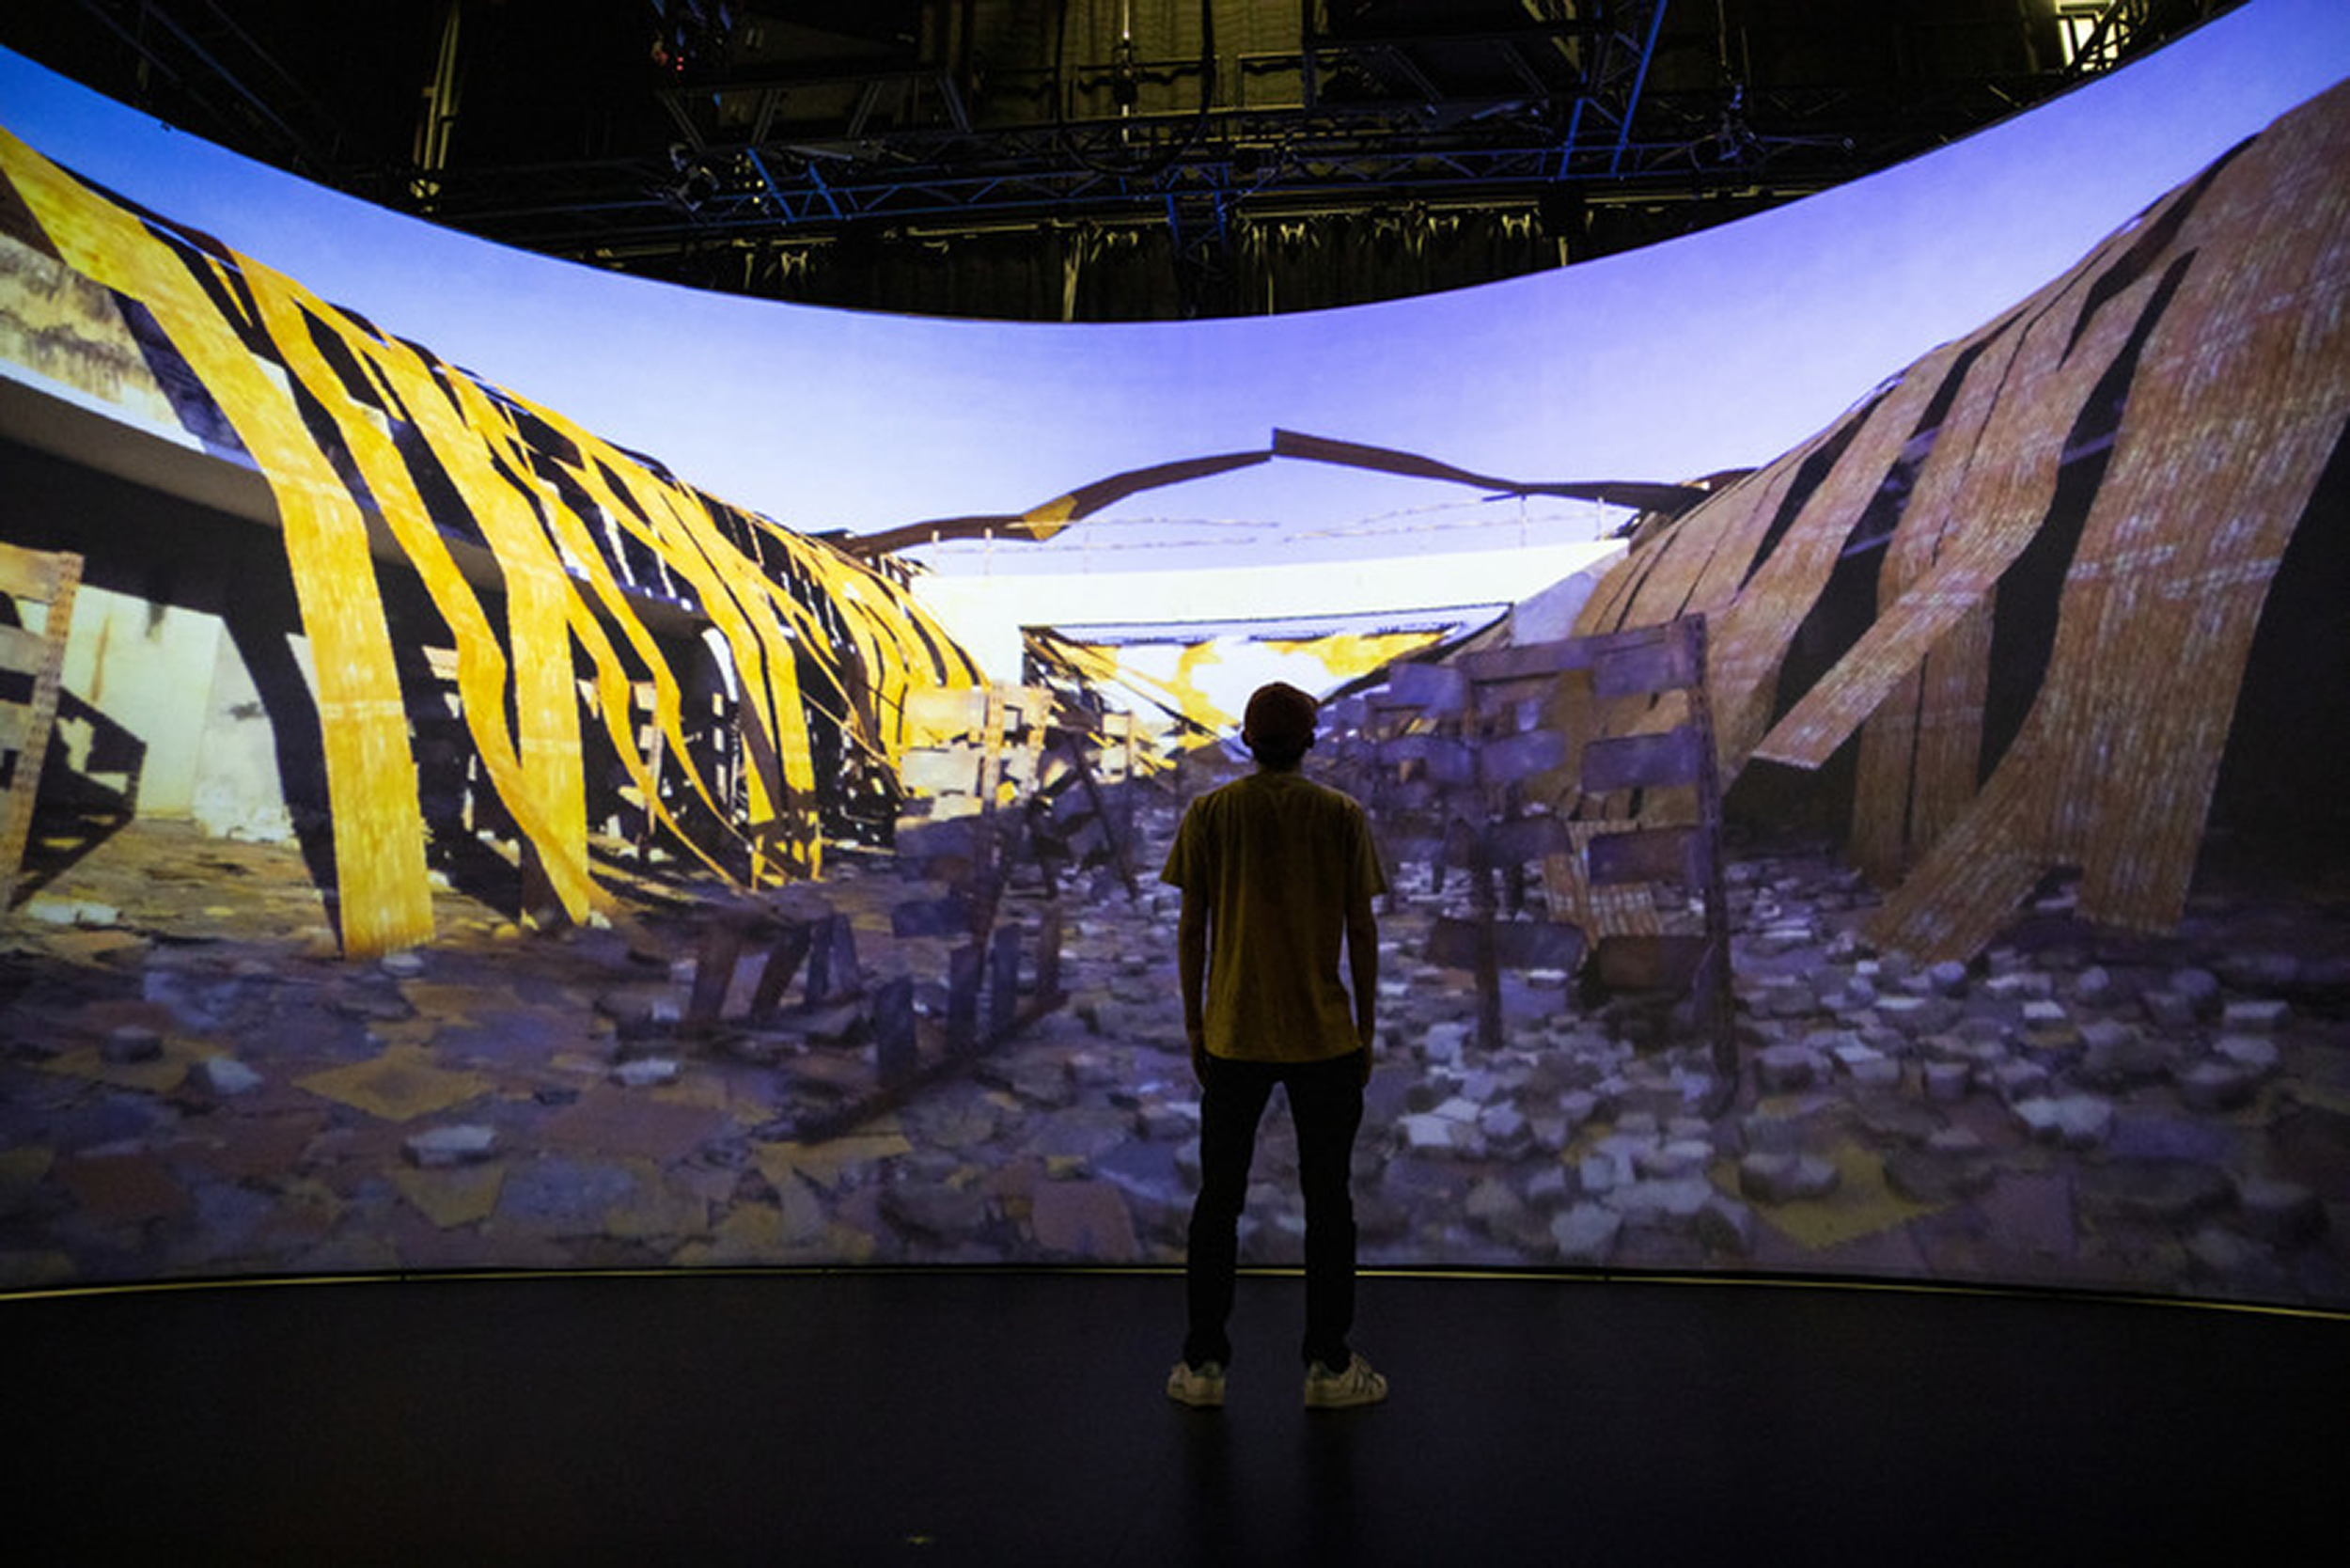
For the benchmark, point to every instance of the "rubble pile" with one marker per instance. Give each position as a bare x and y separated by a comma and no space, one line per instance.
194,1085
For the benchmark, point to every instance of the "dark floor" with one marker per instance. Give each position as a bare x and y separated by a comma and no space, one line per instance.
978,1418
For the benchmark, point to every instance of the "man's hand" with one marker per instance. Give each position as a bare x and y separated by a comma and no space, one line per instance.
1191,972
1362,962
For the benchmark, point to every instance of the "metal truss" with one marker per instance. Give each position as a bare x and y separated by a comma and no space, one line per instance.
1469,114
1476,116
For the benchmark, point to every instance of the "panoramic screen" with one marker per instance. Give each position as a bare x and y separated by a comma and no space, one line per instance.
512,767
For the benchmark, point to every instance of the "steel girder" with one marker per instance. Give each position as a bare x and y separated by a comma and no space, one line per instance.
1356,121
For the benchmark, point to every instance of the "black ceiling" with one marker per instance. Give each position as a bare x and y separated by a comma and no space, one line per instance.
1085,159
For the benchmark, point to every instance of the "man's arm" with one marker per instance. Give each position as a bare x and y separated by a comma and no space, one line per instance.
1191,970
1362,964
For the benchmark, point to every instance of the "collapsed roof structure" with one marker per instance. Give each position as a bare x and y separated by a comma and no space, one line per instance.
2022,578
579,583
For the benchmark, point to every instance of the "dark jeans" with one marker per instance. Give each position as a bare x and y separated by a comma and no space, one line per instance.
1326,1106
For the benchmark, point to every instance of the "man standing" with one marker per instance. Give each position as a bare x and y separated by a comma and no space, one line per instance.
1276,870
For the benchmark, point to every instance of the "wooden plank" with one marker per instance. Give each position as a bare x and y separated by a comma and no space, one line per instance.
23,652
1919,751
1662,663
933,712
1878,841
962,999
1705,556
1754,634
1517,663
1523,838
1659,962
714,972
1521,757
1946,767
1537,945
1649,854
1438,690
952,839
2182,589
894,1034
783,962
947,915
940,771
1454,943
1625,910
30,573
832,965
1443,760
1003,981
1642,761
1497,696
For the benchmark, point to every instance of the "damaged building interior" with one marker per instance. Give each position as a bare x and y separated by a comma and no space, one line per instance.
608,610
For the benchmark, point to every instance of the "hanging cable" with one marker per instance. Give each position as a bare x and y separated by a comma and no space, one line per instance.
1147,168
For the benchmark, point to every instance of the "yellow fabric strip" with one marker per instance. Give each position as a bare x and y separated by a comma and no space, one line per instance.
619,702
384,901
482,665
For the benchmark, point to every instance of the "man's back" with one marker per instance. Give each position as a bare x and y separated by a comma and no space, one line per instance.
1278,874
1278,862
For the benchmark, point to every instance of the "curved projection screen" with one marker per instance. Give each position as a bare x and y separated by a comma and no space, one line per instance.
496,814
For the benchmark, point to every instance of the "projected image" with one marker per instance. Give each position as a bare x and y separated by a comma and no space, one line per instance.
444,833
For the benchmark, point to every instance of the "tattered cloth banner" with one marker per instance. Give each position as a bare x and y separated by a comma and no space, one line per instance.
344,422
2208,342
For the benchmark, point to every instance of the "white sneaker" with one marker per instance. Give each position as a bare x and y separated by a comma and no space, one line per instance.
1358,1384
1202,1387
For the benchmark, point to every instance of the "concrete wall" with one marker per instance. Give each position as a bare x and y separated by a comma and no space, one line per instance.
158,701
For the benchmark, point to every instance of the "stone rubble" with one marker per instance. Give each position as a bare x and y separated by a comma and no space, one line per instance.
185,1095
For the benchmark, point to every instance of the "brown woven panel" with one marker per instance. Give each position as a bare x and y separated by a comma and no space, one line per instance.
1976,875
1888,829
2223,315
2239,402
1998,503
1877,842
1950,730
1717,585
1737,517
1753,633
1603,611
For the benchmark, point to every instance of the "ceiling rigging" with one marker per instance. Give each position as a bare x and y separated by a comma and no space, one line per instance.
1086,159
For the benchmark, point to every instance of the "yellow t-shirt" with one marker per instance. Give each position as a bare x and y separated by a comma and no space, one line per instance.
1279,860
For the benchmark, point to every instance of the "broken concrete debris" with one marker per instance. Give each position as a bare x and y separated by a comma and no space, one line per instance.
537,1103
